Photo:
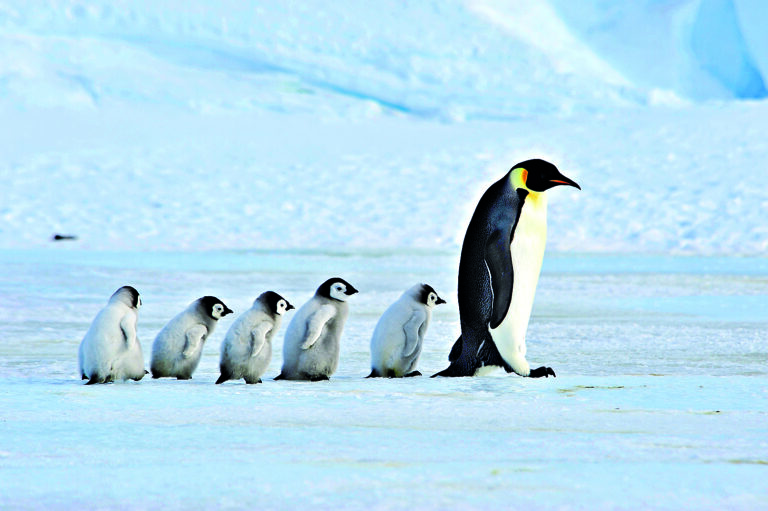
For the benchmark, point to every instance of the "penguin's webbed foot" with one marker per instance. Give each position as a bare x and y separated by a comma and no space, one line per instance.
542,372
412,373
320,377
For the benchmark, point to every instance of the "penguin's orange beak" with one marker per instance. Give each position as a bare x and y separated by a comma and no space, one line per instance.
563,180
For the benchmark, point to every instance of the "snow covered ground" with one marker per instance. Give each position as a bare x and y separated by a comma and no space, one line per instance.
660,402
225,148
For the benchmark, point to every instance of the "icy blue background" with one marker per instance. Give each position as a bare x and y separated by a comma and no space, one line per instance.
213,125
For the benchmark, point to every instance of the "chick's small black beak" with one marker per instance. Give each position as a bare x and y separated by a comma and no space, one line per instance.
563,180
227,310
439,301
350,291
290,307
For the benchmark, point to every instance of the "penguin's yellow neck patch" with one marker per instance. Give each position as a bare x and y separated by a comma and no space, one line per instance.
519,178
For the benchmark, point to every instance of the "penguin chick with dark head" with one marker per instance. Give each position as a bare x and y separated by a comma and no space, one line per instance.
177,348
399,334
311,344
499,269
110,349
247,348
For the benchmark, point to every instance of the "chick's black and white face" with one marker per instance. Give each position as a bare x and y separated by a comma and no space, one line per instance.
218,311
282,307
433,299
339,291
428,296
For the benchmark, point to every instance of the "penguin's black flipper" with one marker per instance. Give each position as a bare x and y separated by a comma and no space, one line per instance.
95,379
222,379
498,258
374,374
280,376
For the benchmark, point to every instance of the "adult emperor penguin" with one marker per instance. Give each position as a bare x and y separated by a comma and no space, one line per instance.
311,344
110,349
177,348
399,334
247,347
499,269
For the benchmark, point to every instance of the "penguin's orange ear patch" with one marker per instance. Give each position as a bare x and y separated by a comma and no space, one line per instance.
524,176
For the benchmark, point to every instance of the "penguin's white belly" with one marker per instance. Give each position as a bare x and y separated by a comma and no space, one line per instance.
527,251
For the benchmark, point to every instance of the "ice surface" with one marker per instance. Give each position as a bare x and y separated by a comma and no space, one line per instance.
660,402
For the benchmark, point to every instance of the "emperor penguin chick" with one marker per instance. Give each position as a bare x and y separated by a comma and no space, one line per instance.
247,347
110,349
399,334
311,345
177,348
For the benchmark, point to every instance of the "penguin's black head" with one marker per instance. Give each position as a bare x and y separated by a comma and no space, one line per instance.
429,296
276,303
336,288
539,175
213,307
128,295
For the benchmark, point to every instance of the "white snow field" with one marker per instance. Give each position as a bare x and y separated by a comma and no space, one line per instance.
660,402
232,147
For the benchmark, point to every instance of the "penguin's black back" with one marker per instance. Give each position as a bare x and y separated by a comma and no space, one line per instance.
496,215
497,211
